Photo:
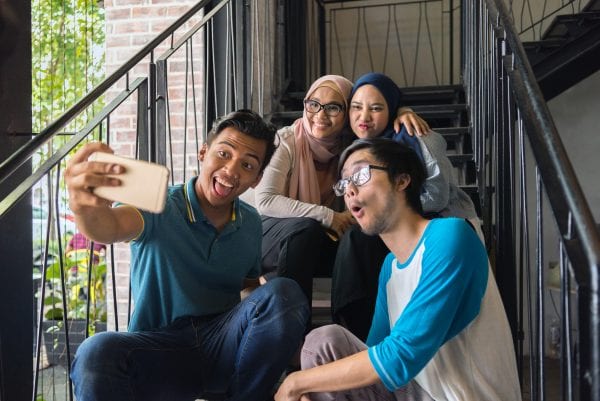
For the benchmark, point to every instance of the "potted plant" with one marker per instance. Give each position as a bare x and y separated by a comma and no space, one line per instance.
79,287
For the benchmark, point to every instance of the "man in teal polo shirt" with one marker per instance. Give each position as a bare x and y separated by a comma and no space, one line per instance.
190,336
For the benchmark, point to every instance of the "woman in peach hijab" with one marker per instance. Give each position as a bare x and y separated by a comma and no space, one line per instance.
302,218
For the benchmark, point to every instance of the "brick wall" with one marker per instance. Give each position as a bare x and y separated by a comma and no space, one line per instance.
131,24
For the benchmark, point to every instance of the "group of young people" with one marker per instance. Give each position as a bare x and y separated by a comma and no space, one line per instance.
418,312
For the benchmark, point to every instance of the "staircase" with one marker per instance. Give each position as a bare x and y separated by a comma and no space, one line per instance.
568,52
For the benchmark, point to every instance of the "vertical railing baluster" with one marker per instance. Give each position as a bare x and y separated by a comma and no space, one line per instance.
151,103
146,146
161,112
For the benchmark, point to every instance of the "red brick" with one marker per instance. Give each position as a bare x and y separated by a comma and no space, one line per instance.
130,27
149,12
117,13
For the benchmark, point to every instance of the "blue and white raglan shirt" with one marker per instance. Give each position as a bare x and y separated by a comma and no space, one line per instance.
439,320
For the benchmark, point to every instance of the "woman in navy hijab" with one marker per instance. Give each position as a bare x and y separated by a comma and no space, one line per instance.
373,102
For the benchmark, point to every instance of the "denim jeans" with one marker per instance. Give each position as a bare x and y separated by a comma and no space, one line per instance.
237,355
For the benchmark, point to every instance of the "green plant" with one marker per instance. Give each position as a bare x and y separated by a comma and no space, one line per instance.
76,289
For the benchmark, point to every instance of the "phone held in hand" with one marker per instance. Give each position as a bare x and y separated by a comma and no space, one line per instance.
143,184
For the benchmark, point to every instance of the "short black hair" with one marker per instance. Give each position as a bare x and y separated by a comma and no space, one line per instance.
249,123
398,159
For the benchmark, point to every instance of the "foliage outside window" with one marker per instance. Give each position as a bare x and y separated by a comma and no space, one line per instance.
68,39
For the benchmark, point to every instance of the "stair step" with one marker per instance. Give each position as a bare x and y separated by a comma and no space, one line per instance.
297,95
572,25
569,64
538,51
440,108
461,159
470,189
426,95
443,115
592,5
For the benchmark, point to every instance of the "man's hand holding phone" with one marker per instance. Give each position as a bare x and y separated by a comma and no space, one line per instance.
143,184
95,177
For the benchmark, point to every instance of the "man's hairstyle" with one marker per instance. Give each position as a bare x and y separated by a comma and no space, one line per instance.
249,123
398,159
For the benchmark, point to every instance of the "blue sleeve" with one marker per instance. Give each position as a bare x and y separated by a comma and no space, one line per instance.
446,299
380,325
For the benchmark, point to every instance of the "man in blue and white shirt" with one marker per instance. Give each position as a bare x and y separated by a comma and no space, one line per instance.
439,331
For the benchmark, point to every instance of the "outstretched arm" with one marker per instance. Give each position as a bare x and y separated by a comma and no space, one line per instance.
411,120
94,216
351,372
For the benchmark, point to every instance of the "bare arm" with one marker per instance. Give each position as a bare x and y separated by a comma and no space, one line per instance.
414,124
351,372
94,216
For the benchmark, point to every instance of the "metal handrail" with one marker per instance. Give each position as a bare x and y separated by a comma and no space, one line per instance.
18,158
507,78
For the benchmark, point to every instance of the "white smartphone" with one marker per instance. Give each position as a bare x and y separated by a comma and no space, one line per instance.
143,184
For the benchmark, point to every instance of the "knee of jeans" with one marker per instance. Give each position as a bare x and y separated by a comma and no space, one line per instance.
95,351
288,294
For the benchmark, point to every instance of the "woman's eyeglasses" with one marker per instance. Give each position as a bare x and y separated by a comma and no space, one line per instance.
331,109
358,178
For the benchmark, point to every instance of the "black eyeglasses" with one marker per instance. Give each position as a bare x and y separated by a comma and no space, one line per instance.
358,178
331,109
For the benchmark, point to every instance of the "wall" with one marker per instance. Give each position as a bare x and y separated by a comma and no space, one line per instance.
131,24
577,118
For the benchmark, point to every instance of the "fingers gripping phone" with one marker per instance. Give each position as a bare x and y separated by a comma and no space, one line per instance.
143,184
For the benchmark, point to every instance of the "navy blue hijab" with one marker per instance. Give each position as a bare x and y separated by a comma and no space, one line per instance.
392,95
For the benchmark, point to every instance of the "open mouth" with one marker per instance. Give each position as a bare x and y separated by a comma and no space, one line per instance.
222,187
357,211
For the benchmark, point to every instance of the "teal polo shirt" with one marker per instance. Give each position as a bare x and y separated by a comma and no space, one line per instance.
181,265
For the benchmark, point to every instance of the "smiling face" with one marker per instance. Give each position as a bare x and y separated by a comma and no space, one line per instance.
230,165
322,125
369,113
372,203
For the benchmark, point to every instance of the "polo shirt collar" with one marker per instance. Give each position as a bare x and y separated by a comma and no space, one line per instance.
192,204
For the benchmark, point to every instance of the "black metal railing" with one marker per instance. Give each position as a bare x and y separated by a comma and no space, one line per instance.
205,58
532,17
531,198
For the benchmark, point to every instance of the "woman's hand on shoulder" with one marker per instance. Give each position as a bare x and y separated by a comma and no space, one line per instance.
411,120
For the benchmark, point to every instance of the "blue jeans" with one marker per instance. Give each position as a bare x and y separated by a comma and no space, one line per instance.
237,355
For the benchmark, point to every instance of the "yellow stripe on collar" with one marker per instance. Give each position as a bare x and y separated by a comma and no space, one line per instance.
188,206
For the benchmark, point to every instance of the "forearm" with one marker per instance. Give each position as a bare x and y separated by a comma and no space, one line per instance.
355,371
109,225
280,206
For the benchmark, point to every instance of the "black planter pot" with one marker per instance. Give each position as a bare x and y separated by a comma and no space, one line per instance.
55,339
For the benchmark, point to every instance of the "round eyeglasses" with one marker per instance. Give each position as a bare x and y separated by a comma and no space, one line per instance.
358,178
331,109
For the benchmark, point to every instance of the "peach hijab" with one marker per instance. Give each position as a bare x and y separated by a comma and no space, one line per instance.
315,169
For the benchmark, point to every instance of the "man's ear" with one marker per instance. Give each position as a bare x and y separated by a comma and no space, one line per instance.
258,178
202,152
402,182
